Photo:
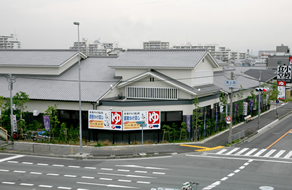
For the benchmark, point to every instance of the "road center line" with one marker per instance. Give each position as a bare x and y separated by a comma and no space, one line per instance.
1,170
279,139
26,184
36,173
107,185
27,163
58,165
41,164
69,175
87,177
9,183
91,168
64,188
124,175
17,171
47,186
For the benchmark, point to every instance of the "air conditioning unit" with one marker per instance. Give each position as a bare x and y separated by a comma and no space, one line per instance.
36,112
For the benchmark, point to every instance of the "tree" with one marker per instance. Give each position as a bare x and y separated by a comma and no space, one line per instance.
63,132
166,130
183,131
196,117
223,103
54,122
240,96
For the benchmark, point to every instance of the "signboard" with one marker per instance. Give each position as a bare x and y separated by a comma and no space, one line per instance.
228,119
284,73
245,105
110,120
188,123
281,94
47,122
290,60
14,123
132,120
230,83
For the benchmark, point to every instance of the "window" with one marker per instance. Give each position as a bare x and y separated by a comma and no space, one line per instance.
279,62
151,93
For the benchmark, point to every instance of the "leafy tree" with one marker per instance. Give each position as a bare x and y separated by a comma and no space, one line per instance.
54,121
183,131
240,106
223,103
175,132
72,133
166,130
63,132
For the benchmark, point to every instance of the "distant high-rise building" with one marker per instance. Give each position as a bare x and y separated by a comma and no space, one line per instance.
155,45
282,49
9,42
93,49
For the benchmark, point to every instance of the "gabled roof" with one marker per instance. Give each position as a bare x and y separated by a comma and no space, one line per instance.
36,58
155,59
171,81
266,74
96,78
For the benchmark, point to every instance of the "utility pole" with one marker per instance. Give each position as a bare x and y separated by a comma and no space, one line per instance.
231,106
259,102
11,81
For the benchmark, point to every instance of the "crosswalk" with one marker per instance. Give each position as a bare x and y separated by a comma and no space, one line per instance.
255,152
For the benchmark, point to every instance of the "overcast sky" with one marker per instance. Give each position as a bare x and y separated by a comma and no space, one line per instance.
237,24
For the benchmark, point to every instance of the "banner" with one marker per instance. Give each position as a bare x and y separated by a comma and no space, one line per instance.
235,110
216,110
245,108
110,120
281,94
47,122
14,123
135,120
188,123
251,105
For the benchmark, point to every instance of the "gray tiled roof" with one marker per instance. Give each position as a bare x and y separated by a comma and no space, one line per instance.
266,74
159,58
21,57
96,79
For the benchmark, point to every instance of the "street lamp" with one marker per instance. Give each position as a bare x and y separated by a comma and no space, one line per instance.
80,116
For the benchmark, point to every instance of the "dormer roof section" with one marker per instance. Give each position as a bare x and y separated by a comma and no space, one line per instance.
158,59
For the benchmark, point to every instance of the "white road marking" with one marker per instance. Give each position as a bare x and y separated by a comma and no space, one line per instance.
82,189
26,184
270,152
233,150
242,167
107,179
279,153
236,171
2,170
47,186
41,164
221,151
57,165
11,158
74,166
145,167
36,173
64,188
107,185
91,168
141,172
260,152
121,170
9,183
160,173
224,178
250,152
289,154
250,160
242,151
246,164
124,175
230,175
106,169
14,162
69,175
27,163
17,171
123,180
144,182
87,177
53,174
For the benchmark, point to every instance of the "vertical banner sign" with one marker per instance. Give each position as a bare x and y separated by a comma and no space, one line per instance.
235,110
14,123
281,89
154,119
261,101
284,73
99,119
251,105
135,120
47,122
216,110
290,60
188,123
244,108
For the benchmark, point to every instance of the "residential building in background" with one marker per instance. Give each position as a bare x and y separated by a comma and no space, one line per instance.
221,53
96,48
9,42
155,45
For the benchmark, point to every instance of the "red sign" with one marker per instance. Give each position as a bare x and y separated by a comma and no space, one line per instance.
153,117
281,83
116,118
228,118
290,60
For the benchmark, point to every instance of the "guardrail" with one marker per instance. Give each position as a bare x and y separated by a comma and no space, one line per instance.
4,133
241,134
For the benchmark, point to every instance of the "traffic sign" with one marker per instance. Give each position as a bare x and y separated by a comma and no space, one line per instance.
228,119
230,83
277,101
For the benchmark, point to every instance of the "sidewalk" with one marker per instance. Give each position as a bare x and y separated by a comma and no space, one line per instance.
73,151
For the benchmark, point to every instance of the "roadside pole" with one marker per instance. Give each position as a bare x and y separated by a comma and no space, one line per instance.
231,106
259,102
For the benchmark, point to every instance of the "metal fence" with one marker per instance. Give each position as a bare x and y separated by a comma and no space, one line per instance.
240,135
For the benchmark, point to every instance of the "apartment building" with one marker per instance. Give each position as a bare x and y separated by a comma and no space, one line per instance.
155,45
9,42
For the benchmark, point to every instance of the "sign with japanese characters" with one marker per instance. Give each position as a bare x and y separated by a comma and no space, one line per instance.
14,123
132,120
245,105
110,120
284,73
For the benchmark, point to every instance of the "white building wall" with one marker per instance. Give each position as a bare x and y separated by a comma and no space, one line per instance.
203,73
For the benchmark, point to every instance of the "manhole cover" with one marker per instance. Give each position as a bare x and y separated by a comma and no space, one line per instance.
266,188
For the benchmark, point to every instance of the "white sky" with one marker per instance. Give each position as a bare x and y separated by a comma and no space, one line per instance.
237,24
